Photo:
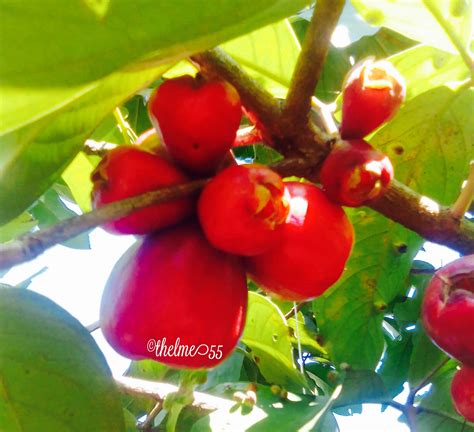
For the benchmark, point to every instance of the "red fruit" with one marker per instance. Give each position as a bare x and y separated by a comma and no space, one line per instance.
198,120
128,171
355,173
462,392
372,95
242,209
316,242
176,289
448,309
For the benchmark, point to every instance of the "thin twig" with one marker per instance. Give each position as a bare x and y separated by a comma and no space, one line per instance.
151,416
462,204
310,62
93,326
158,392
31,245
294,310
424,382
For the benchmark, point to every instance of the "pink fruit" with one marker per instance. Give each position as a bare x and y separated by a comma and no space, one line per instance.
448,309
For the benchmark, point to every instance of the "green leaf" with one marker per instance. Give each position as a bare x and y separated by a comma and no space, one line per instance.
307,337
361,386
137,116
267,335
396,361
84,47
227,371
430,142
77,177
443,417
414,20
408,311
271,413
425,68
257,153
374,276
20,225
425,358
49,209
53,376
268,54
32,158
130,421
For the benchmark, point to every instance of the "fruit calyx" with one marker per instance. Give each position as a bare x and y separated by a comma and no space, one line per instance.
269,205
355,173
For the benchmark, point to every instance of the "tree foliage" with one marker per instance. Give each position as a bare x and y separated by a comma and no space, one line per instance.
83,71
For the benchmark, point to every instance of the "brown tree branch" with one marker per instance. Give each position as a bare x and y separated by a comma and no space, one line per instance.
310,62
31,245
216,63
158,392
427,218
424,382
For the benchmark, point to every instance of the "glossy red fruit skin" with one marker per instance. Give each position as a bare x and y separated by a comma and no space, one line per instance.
462,392
127,171
197,120
372,94
175,285
355,173
448,309
316,242
242,209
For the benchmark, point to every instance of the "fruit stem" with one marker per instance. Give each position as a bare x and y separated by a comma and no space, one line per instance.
128,133
151,416
431,5
424,382
310,62
462,204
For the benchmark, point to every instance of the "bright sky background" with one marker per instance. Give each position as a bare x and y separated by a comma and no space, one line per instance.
75,280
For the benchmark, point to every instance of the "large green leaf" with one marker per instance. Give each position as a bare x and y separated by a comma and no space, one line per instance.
271,413
77,177
361,386
53,377
413,19
442,416
396,361
268,336
83,46
350,315
425,358
33,157
268,54
50,209
430,142
20,225
425,68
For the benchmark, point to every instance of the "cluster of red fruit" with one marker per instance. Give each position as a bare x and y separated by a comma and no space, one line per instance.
187,279
448,317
